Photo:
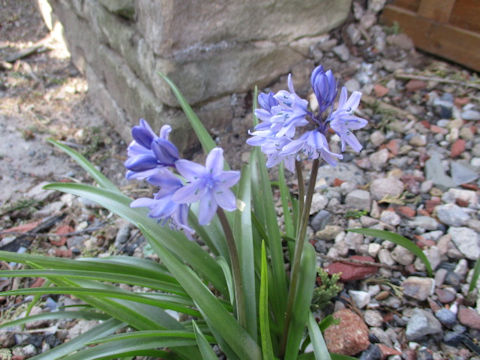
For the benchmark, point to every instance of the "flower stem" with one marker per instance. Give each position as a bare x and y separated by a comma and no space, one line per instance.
235,263
299,243
301,193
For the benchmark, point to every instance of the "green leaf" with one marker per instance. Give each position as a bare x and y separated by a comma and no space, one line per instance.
101,276
342,357
264,319
176,242
130,347
107,328
222,321
476,273
169,302
203,345
265,212
101,179
302,302
228,277
328,321
151,334
399,240
319,346
80,314
286,200
202,133
242,230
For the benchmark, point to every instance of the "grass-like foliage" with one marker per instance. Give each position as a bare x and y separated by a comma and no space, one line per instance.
252,311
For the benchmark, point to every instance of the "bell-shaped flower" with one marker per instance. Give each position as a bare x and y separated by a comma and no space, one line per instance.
209,184
148,153
342,120
312,144
324,86
162,208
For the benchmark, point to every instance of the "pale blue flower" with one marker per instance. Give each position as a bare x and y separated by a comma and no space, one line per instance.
148,153
162,207
209,184
343,121
324,86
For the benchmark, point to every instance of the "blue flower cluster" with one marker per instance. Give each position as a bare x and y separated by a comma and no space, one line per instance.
282,113
181,182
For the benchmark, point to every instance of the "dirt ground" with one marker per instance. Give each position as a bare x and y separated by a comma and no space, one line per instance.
43,96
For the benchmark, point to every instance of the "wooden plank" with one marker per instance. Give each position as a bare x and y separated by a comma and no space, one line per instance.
433,9
444,40
466,15
411,5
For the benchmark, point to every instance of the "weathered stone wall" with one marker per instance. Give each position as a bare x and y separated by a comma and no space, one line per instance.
210,49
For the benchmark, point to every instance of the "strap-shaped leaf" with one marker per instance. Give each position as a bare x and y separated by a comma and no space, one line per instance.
176,242
203,344
79,314
476,274
319,346
301,305
222,321
107,328
399,240
101,179
286,201
264,318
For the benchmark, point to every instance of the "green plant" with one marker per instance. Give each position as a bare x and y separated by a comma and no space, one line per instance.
328,289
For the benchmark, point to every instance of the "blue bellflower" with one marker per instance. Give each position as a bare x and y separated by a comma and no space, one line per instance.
282,113
209,184
162,208
148,153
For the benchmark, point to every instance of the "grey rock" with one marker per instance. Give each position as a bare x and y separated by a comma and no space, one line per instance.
39,193
471,115
385,257
424,222
343,171
402,255
373,318
422,323
452,215
443,108
319,202
368,20
124,8
329,232
446,317
435,172
377,138
358,199
433,255
352,85
373,352
461,194
361,298
122,235
418,288
390,218
386,186
353,33
467,241
379,159
462,268
320,220
342,52
462,174
376,5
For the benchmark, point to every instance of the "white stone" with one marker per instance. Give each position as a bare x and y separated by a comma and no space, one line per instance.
467,241
402,255
358,200
452,215
361,298
389,186
390,218
373,249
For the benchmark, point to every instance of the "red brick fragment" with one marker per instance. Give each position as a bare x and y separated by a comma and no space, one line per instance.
461,101
388,351
438,130
37,283
66,253
415,85
458,147
380,90
352,272
470,186
406,211
462,203
338,182
62,229
23,228
423,212
431,204
425,124
393,146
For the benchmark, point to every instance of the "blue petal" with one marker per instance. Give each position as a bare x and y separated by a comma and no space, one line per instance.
206,209
214,162
189,193
189,169
228,178
225,199
165,131
143,134
141,163
165,151
166,180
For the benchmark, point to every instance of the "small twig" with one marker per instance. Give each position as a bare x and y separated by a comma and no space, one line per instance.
47,235
371,101
359,262
436,79
37,49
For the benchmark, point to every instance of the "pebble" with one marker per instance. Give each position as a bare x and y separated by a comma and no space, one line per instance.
377,138
373,249
467,241
469,317
342,52
358,200
352,85
373,352
433,255
349,337
379,159
445,296
402,255
446,317
418,140
468,196
390,218
462,173
424,222
329,232
373,318
389,186
422,323
352,272
122,234
385,257
360,298
418,288
320,220
471,115
319,202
